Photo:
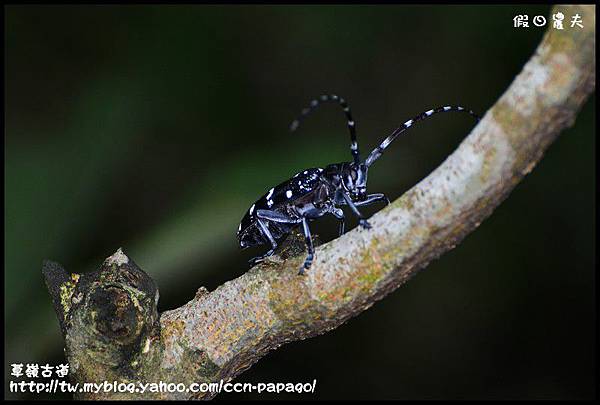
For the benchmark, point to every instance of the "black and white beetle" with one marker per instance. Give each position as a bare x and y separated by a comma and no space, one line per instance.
315,192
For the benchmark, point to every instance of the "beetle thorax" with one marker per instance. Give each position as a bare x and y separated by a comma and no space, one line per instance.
350,177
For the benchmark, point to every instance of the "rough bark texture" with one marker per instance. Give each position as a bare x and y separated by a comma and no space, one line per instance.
109,318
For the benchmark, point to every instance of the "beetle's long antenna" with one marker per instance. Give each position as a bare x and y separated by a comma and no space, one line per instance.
350,121
378,151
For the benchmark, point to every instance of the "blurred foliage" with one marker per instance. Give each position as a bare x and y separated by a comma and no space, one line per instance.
155,127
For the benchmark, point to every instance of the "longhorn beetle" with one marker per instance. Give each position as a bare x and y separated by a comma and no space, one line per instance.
312,193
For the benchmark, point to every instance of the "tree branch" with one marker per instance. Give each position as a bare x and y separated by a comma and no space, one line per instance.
109,318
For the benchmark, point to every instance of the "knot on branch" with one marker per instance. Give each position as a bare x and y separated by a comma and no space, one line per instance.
108,317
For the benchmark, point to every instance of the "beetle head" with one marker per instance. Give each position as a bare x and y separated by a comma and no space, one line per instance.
354,179
350,176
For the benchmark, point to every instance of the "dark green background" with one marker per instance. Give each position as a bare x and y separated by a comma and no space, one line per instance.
155,127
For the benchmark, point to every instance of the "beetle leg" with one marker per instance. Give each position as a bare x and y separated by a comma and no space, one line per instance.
371,198
339,214
279,217
361,219
268,215
267,235
276,217
309,246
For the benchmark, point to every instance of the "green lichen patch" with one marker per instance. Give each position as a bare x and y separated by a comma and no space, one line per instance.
289,297
66,294
488,164
570,41
172,329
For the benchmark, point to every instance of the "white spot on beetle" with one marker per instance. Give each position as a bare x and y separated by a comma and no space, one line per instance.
288,194
350,123
408,123
459,108
428,112
447,108
252,208
270,193
270,203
